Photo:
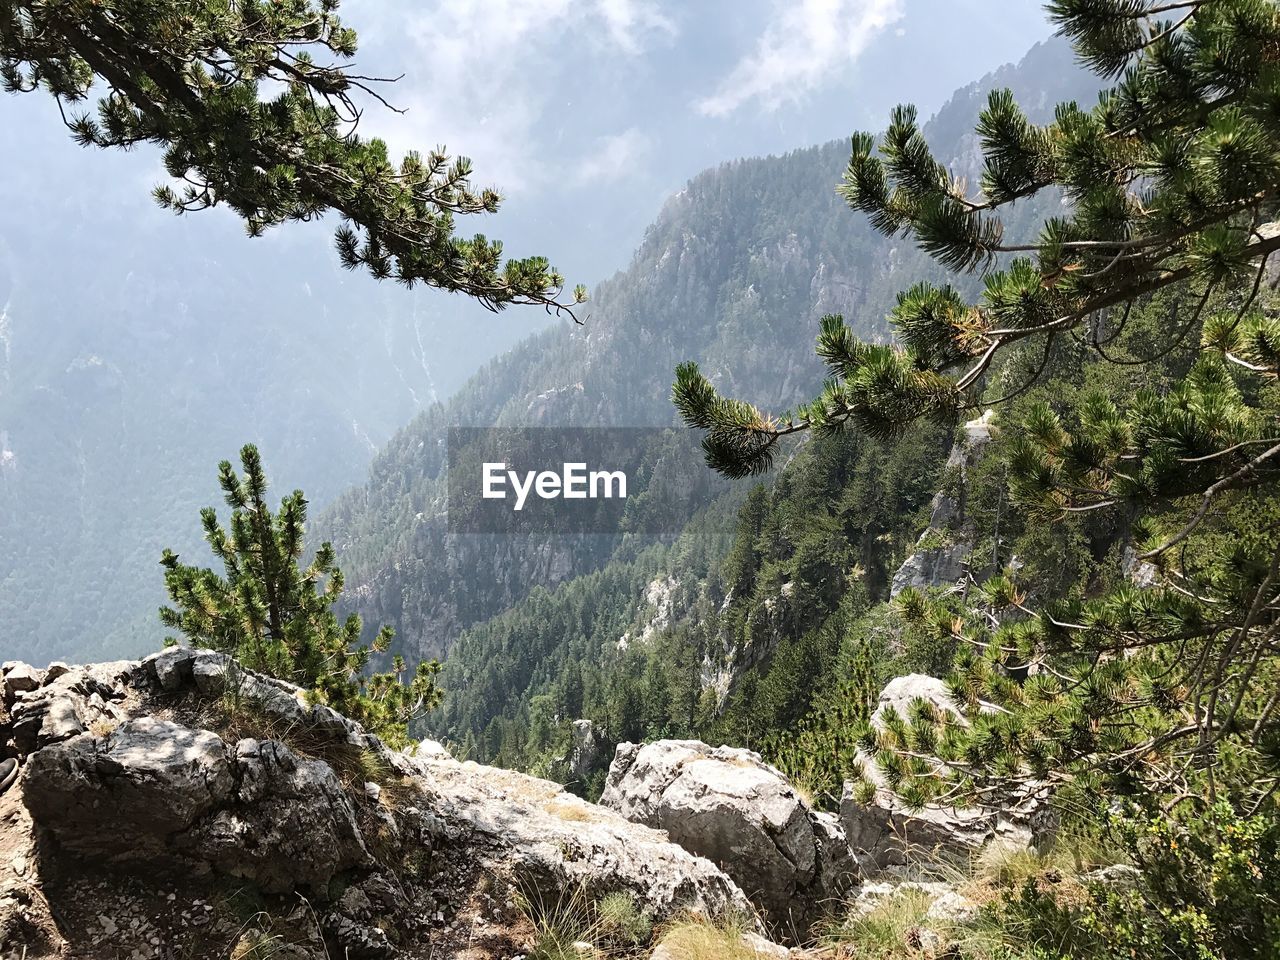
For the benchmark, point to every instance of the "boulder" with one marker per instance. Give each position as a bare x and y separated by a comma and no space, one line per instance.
126,796
292,824
158,793
882,831
20,678
728,805
562,844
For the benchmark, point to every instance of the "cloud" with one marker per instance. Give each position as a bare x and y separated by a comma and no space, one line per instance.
482,75
629,22
804,44
614,158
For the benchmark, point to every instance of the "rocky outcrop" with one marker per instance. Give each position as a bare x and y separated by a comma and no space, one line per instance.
731,807
585,746
183,768
546,834
884,832
941,557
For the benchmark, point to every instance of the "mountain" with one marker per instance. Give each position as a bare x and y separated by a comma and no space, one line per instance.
735,272
138,350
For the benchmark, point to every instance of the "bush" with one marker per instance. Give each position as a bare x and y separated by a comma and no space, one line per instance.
1207,890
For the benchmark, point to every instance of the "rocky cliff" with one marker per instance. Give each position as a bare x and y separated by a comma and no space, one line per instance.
180,806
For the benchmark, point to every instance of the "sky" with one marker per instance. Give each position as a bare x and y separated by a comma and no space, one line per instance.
587,114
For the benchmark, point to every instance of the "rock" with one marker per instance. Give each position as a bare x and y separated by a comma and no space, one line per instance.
764,949
1115,875
953,907
562,844
931,567
431,749
946,561
292,824
155,792
882,831
20,678
902,693
124,797
584,752
111,782
55,670
171,667
731,807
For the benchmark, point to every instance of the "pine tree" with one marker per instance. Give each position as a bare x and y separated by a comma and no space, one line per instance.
1171,186
277,617
187,76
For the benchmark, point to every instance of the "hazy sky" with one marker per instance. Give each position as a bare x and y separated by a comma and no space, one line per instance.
588,113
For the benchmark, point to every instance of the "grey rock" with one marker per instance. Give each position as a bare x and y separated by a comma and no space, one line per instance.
584,751
884,832
55,670
122,798
953,907
932,567
67,705
293,824
171,667
1114,875
560,843
156,792
731,807
20,678
946,564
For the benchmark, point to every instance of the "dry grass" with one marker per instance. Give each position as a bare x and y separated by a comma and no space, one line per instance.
239,718
103,727
696,939
891,929
568,810
573,926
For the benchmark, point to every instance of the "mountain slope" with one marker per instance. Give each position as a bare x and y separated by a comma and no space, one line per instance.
735,272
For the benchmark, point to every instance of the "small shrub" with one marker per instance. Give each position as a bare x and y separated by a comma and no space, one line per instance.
1209,889
622,922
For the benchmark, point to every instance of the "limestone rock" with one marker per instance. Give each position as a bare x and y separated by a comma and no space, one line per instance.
561,843
19,678
293,824
882,831
584,751
117,771
731,807
122,798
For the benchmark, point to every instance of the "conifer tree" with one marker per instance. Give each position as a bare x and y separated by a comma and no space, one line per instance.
1171,185
277,617
189,77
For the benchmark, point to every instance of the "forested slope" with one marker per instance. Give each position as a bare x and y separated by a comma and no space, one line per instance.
736,270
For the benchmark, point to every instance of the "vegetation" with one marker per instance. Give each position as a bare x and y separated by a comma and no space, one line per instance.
188,77
277,617
1131,349
575,925
1172,181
